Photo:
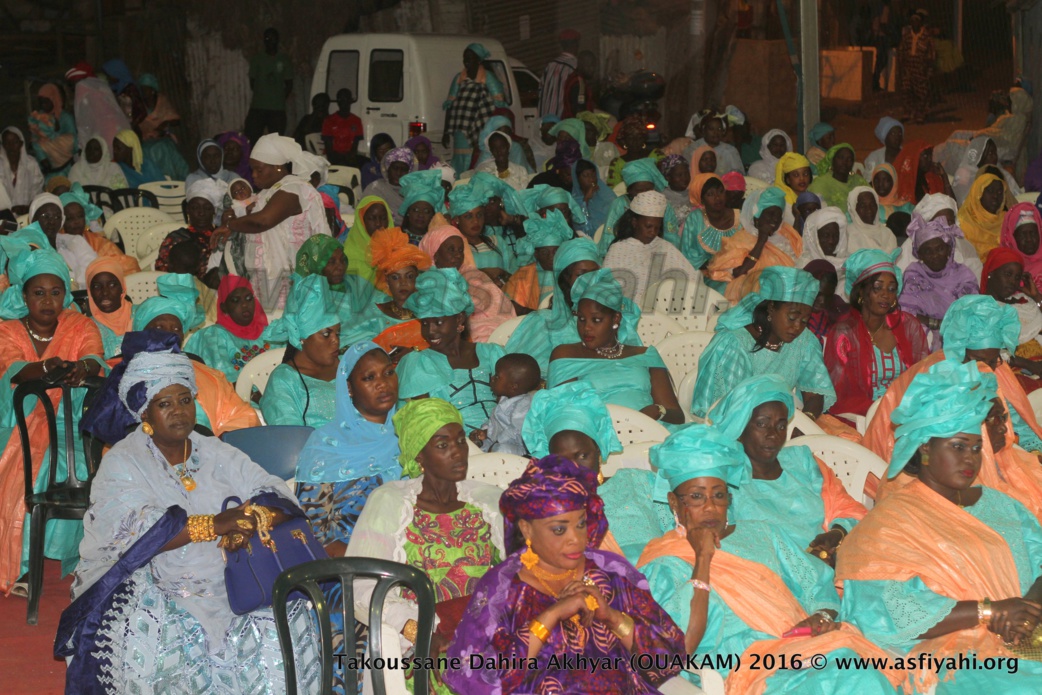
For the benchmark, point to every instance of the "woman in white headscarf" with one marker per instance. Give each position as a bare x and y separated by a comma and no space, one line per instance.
823,242
932,206
982,152
19,173
47,211
772,146
210,156
864,231
287,213
96,168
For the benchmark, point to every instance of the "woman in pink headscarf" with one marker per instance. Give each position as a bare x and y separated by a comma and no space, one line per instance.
492,307
53,131
1021,229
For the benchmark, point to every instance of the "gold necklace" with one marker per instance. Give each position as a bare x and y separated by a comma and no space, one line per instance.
183,473
399,313
544,575
33,334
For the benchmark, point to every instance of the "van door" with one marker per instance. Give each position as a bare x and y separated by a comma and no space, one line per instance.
381,101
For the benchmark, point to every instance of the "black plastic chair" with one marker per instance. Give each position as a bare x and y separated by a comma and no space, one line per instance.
307,578
275,448
133,198
66,499
349,192
102,197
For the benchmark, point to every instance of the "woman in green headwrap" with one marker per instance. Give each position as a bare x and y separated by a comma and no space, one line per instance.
41,334
541,198
621,373
541,331
745,587
453,368
639,176
835,178
786,484
545,235
572,129
943,566
571,420
766,334
301,390
424,198
434,519
371,215
324,255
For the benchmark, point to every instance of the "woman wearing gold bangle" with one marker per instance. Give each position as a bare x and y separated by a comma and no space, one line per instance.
557,596
151,573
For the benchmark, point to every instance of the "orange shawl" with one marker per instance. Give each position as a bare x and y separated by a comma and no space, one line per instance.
762,601
902,538
838,502
75,338
223,407
733,251
523,286
104,247
406,335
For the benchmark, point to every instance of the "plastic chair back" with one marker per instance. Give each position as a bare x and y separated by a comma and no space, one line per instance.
633,426
256,372
653,328
686,394
345,570
681,353
852,463
130,223
314,144
496,468
802,422
169,194
102,197
142,285
147,249
503,331
133,197
275,448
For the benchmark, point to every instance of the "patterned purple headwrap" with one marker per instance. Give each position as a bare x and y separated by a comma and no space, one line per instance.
550,486
398,154
567,154
667,163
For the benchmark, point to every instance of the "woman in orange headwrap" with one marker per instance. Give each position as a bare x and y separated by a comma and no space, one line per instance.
389,324
107,298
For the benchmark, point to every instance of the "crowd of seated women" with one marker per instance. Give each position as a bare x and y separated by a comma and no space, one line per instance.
733,540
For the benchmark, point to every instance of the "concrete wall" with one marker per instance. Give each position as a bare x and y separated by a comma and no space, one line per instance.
1031,50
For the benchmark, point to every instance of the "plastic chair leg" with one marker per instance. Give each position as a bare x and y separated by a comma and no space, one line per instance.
37,529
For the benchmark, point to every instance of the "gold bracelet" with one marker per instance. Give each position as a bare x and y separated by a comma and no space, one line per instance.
410,630
539,631
201,528
625,627
984,611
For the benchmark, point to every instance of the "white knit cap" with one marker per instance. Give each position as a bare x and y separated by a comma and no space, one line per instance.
275,149
448,174
649,204
208,189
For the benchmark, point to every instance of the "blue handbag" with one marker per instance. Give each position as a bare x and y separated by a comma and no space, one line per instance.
250,572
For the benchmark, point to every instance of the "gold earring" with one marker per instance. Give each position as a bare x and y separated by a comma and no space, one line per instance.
529,558
147,429
924,459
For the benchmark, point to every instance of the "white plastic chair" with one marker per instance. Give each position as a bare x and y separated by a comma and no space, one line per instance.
754,184
654,328
598,235
802,422
496,468
503,331
1028,197
681,352
544,303
633,426
686,393
695,306
619,188
1035,399
170,195
147,249
851,462
256,372
131,223
349,177
636,455
142,285
315,144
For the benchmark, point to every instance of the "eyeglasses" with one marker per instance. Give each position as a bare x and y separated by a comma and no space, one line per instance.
694,500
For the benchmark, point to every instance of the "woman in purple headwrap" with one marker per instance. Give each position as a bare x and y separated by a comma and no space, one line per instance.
236,153
935,279
557,596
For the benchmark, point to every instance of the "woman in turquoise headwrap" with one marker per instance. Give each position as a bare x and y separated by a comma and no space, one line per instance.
639,176
943,565
494,246
324,255
371,215
876,341
498,124
41,333
545,235
453,368
745,587
572,421
434,519
541,331
766,334
592,195
302,390
835,178
621,373
474,94
541,198
424,198
572,129
822,137
786,485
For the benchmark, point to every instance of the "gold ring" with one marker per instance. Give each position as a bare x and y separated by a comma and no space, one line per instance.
244,524
824,555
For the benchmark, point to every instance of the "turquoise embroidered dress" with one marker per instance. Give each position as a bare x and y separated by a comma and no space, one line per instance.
634,518
223,351
625,382
113,344
700,240
429,372
292,398
886,367
729,359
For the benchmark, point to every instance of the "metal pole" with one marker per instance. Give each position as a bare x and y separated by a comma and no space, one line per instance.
696,73
810,89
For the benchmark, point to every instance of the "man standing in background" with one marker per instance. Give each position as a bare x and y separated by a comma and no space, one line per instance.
271,79
556,73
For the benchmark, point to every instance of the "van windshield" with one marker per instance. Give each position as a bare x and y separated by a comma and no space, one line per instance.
342,72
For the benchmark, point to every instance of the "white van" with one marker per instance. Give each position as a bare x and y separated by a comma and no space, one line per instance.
400,81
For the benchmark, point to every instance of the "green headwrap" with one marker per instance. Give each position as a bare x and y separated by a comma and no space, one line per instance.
777,284
479,50
542,196
309,309
78,195
24,266
415,423
572,406
31,235
494,187
947,400
549,231
422,186
732,413
865,263
575,128
772,197
314,254
466,197
644,170
825,165
181,286
601,286
356,246
600,121
158,306
979,322
697,451
440,292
